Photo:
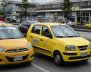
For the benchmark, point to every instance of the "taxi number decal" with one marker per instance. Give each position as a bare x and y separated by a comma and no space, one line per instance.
35,41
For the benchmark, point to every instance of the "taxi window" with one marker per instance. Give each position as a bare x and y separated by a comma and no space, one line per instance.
10,33
36,29
45,31
63,31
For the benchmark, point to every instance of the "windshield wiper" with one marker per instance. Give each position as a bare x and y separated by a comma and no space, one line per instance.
60,36
14,38
11,38
2,38
72,36
66,36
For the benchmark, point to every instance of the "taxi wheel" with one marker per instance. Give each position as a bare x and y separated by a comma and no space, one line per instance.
58,60
85,61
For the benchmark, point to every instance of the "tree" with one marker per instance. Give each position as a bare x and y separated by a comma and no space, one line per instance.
4,4
67,8
25,6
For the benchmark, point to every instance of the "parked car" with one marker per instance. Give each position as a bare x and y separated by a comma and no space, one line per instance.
9,19
59,41
28,23
69,23
24,26
14,48
88,25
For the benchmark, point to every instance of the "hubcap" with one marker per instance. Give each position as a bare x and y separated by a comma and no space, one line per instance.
57,58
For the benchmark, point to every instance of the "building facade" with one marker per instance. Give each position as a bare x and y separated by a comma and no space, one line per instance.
81,10
15,9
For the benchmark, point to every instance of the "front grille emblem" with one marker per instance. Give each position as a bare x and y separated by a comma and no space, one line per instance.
16,50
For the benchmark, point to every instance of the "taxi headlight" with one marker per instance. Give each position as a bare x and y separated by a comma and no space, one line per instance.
1,49
90,45
29,46
70,48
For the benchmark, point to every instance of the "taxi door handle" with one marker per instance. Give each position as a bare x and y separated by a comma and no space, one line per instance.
41,40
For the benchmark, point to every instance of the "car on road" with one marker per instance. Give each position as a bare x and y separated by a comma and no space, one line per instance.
14,48
24,26
59,41
88,25
28,23
9,19
69,23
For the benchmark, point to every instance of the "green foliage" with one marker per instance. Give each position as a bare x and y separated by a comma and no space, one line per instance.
67,8
25,6
4,4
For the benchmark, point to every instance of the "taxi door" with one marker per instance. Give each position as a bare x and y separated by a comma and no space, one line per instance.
34,37
46,41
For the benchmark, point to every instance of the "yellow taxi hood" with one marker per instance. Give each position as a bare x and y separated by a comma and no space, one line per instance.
77,41
13,43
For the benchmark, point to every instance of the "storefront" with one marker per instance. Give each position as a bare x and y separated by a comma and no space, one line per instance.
2,17
81,11
84,16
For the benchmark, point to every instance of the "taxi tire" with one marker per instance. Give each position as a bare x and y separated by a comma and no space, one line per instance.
58,55
85,61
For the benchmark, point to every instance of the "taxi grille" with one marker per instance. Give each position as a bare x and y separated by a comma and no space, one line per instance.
11,59
82,47
16,50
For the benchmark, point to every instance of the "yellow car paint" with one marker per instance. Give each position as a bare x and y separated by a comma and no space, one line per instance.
48,46
88,25
14,48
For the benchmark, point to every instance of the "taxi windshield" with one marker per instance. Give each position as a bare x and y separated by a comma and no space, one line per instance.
10,33
63,31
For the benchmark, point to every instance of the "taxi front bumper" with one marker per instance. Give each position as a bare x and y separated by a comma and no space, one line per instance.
8,58
75,56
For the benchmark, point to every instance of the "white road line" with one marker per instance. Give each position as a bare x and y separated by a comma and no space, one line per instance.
38,67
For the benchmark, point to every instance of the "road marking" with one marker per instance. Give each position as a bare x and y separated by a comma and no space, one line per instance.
38,67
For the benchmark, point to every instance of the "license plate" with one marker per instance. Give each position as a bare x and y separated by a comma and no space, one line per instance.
18,58
83,54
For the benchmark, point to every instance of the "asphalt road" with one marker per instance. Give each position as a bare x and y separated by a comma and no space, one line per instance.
86,35
43,63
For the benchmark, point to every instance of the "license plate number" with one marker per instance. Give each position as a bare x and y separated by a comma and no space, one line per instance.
83,54
18,58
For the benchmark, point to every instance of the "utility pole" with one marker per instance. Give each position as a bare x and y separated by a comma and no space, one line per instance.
80,4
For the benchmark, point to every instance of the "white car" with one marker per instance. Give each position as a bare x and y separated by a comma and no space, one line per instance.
69,23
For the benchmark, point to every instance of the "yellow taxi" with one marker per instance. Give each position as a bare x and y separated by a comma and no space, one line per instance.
59,41
14,48
88,25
